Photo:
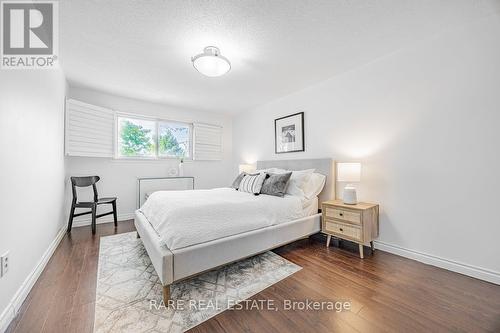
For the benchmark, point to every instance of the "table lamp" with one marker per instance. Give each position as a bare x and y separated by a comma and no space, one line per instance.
248,168
349,173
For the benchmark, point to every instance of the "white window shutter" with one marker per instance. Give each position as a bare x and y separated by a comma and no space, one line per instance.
89,130
207,145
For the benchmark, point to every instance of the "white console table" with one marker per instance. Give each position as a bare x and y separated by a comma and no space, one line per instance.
148,185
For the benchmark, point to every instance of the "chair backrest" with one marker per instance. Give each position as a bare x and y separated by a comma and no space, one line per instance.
84,182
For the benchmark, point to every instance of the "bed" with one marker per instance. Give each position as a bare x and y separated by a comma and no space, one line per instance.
202,234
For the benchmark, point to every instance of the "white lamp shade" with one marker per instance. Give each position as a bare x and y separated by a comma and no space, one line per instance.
211,66
248,168
349,172
211,63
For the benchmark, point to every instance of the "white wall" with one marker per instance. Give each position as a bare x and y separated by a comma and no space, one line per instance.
119,177
31,176
424,122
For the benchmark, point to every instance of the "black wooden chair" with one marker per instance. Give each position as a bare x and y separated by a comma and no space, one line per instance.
85,182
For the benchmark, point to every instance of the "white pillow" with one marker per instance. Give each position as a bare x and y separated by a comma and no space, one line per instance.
252,183
297,182
315,185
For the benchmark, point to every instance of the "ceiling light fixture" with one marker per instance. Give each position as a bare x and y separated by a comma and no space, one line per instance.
211,63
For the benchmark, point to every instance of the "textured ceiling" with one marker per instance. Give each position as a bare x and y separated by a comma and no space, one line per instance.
142,49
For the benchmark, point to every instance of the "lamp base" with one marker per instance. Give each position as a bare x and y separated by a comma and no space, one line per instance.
349,196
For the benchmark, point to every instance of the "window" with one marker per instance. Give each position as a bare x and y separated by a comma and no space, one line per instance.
147,138
174,139
136,137
95,131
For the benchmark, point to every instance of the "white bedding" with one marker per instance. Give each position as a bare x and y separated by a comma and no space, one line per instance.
185,218
310,207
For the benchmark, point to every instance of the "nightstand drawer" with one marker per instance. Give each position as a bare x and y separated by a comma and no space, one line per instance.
344,230
340,214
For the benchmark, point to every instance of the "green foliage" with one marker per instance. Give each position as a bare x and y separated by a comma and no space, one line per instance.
168,145
135,140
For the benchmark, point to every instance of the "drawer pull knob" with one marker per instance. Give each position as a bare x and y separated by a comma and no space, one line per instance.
341,229
341,214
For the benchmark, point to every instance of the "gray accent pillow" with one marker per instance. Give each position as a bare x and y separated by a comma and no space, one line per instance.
237,181
275,184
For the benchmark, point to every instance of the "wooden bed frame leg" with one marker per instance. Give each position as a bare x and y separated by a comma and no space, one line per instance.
166,294
138,236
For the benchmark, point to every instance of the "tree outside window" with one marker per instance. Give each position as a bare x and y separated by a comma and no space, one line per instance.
136,138
173,140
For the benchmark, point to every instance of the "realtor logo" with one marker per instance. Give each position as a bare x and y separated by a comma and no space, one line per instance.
29,34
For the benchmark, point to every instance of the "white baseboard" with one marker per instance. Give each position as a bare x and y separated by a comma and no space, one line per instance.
15,304
454,266
105,219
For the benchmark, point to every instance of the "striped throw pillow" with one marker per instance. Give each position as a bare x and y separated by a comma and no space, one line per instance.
252,183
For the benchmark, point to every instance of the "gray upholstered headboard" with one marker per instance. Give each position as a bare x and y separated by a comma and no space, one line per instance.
325,166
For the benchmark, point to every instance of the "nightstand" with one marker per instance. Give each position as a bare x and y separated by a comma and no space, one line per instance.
357,223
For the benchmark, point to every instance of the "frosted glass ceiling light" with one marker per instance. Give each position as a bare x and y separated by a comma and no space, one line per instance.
211,63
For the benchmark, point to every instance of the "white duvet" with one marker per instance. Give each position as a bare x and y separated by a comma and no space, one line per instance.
185,218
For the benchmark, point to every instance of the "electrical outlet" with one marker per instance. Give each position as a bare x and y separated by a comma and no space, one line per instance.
5,263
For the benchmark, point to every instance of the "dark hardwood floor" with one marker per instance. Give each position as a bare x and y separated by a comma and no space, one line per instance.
386,293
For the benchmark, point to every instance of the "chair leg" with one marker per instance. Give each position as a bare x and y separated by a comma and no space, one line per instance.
114,214
71,215
94,211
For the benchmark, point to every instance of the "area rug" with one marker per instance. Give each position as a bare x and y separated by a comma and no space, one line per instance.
129,293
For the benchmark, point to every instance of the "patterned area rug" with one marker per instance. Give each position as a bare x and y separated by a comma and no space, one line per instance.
129,293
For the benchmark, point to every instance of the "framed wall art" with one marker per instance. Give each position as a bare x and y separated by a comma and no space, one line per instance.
289,133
